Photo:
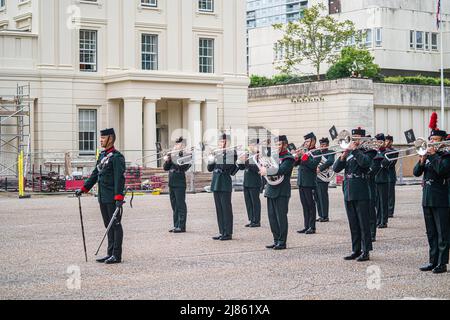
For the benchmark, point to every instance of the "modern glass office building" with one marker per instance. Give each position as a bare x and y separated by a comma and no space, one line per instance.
263,13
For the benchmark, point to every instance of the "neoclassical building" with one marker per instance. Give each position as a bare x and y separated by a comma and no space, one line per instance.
149,68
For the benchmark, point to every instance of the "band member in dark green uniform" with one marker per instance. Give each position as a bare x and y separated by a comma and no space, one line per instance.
110,175
392,176
356,196
435,167
177,187
381,171
278,196
223,166
322,199
252,185
306,181
373,195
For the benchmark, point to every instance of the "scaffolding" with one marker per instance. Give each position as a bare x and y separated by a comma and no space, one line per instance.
15,131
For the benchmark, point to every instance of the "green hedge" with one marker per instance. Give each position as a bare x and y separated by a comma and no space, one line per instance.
260,81
416,80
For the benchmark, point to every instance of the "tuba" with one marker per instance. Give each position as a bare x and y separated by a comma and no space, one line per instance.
268,162
326,175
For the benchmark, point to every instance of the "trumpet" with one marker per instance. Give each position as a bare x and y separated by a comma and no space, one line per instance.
420,147
345,139
212,155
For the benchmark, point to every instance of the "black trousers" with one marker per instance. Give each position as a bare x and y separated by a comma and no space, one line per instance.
278,209
382,203
391,196
115,234
253,204
307,196
437,224
358,218
179,208
322,199
224,212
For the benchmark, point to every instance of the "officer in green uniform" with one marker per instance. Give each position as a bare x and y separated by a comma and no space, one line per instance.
373,195
110,175
252,185
435,167
392,176
278,196
381,172
306,181
322,199
223,166
177,187
356,196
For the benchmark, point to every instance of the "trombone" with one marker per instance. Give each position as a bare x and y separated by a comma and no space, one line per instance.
420,147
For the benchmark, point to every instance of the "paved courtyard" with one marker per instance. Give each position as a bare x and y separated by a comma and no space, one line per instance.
41,253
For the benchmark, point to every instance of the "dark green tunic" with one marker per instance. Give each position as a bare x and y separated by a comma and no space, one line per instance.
307,170
285,169
356,167
177,174
110,175
435,174
223,168
252,179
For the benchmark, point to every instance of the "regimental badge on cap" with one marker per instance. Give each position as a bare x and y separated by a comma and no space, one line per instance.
410,137
333,133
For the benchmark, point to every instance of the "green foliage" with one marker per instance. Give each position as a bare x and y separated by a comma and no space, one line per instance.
354,62
313,39
419,79
281,79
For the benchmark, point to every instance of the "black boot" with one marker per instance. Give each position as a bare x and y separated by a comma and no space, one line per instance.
113,260
102,260
364,257
427,267
353,256
442,268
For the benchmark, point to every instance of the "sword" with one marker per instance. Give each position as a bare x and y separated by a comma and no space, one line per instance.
82,228
114,217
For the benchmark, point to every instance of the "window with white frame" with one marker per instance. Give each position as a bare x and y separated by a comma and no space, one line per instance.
206,55
411,39
419,40
87,131
88,50
427,41
434,41
206,5
368,38
149,3
2,3
149,52
378,37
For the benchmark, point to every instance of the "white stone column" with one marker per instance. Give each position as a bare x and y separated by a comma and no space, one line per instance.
210,124
150,133
112,120
132,122
195,128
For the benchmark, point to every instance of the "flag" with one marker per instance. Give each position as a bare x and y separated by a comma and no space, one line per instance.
438,15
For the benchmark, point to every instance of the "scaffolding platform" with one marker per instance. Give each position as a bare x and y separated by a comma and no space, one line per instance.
15,130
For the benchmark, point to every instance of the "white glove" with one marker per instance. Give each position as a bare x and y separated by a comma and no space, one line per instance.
211,159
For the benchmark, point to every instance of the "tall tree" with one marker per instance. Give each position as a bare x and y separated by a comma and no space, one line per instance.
314,38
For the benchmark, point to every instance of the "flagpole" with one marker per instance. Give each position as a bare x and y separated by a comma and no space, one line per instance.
442,71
